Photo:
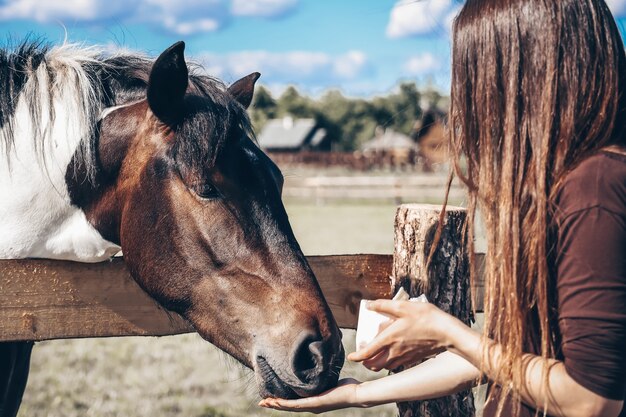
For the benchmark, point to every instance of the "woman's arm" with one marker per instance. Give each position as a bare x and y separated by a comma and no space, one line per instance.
563,396
422,328
443,375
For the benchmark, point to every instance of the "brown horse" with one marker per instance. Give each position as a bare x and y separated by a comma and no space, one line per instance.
166,168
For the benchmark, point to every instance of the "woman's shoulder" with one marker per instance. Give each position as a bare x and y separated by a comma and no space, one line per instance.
597,182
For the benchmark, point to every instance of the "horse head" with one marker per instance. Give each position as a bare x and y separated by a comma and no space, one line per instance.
196,207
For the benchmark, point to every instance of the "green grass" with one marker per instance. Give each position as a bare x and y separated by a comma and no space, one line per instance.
344,228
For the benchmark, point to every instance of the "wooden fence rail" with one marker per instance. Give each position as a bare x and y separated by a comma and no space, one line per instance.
44,299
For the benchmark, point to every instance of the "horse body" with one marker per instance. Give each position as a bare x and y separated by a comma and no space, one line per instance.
37,218
125,152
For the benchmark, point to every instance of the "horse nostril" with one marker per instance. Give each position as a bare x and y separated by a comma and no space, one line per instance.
308,359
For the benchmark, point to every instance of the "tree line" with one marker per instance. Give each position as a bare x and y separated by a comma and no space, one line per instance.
349,122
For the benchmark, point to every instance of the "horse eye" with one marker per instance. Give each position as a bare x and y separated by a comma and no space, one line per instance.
205,190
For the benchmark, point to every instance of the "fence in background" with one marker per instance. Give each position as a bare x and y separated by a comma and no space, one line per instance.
428,188
387,160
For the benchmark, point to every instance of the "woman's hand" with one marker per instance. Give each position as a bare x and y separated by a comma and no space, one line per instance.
415,331
343,396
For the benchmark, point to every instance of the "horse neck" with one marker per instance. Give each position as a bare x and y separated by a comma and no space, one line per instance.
36,216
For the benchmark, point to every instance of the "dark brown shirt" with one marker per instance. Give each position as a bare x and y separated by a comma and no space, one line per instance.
591,276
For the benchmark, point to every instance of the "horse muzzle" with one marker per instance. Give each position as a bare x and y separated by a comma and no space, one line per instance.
312,367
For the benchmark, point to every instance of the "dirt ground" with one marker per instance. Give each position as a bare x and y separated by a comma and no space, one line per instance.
184,375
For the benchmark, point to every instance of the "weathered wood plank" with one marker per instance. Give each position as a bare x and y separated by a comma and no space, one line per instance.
347,279
44,299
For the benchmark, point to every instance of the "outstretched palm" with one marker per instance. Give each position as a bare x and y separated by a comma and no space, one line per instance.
343,396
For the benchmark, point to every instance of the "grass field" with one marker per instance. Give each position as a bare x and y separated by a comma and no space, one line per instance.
344,228
184,375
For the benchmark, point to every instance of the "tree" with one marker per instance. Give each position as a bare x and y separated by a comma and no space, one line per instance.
291,103
263,108
348,122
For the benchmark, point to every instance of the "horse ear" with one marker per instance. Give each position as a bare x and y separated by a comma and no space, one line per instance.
243,90
168,83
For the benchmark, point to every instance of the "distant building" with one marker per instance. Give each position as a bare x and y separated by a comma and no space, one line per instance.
430,135
293,135
389,140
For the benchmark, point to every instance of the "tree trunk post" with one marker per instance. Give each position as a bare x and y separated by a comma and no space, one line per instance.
446,284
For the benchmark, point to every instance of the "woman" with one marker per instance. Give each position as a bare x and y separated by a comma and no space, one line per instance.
538,109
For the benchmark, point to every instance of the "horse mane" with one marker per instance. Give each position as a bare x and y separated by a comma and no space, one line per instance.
87,80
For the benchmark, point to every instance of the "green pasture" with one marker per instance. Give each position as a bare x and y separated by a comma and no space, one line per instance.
343,228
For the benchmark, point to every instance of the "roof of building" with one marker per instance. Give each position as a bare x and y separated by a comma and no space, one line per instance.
387,140
317,138
432,118
289,133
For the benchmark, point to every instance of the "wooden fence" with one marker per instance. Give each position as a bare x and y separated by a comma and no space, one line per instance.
403,160
45,299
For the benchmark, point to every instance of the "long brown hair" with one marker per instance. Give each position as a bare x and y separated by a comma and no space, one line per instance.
537,86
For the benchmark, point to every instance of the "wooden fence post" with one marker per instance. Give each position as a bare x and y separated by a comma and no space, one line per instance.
446,284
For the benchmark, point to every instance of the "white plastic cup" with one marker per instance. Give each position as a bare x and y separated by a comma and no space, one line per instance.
370,321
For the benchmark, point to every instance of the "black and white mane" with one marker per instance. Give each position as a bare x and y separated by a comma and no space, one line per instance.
86,81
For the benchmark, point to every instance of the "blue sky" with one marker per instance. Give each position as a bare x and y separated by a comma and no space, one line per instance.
363,47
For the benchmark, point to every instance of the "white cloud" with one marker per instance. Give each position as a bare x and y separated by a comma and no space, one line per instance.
82,10
424,64
414,18
618,7
287,67
192,26
350,65
262,8
184,18
181,17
